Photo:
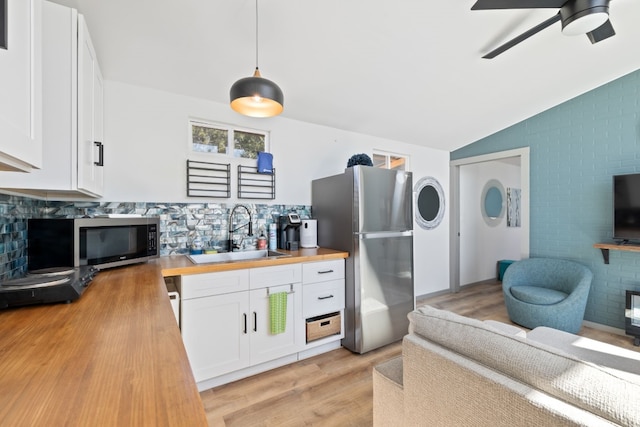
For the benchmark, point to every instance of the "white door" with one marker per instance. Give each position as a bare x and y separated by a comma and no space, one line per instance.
215,331
90,96
21,88
266,346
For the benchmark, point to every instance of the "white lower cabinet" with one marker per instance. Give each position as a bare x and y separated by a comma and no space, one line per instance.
265,346
225,321
215,333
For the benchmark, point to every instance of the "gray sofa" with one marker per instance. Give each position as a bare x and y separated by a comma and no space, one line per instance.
456,371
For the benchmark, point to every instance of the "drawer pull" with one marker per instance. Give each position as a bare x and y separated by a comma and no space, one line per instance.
327,297
325,323
325,271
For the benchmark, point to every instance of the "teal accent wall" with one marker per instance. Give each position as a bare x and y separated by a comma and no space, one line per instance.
575,150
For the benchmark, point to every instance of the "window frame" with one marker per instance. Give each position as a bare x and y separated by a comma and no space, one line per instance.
230,129
389,154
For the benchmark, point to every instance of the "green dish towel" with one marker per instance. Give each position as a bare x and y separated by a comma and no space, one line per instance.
278,312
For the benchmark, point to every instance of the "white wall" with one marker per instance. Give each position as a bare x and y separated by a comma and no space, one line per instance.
481,245
146,148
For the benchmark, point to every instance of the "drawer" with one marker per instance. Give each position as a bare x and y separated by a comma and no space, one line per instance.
322,298
323,326
207,284
322,271
263,277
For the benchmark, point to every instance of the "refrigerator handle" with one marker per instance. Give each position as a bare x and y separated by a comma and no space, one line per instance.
385,235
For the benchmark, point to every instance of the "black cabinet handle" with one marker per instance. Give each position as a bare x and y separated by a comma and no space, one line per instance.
100,146
244,331
325,271
327,297
255,322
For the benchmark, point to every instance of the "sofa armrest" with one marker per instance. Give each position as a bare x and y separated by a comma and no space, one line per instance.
388,393
618,359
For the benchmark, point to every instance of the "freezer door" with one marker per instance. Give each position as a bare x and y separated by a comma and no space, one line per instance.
382,199
384,285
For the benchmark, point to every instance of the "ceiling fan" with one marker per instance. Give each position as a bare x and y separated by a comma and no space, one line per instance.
590,17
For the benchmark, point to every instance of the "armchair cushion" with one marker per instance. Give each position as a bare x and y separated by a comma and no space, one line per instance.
537,295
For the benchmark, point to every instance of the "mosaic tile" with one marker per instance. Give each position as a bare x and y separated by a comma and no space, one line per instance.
180,223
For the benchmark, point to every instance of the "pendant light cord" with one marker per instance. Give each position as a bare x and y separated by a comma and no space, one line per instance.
256,34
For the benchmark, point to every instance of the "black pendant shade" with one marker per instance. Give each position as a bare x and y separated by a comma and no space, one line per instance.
256,96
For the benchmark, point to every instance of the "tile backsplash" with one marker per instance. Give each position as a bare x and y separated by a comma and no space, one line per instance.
180,223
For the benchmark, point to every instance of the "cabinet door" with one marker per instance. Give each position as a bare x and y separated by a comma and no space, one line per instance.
20,86
90,118
215,331
264,345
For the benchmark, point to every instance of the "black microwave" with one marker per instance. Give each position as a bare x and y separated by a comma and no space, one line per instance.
101,242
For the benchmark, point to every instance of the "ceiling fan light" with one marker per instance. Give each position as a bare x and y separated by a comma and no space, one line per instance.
584,24
256,97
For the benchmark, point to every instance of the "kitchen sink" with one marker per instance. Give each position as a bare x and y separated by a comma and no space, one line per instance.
236,256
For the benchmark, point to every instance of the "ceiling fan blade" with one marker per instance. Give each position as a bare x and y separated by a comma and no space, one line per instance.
511,43
517,4
604,31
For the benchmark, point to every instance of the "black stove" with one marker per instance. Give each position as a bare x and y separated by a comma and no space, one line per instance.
47,286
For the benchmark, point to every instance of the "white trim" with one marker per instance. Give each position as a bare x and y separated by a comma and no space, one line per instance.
387,154
454,206
230,128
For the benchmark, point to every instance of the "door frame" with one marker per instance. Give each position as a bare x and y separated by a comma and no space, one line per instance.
454,210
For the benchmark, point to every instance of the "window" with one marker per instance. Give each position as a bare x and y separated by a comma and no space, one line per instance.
390,161
227,140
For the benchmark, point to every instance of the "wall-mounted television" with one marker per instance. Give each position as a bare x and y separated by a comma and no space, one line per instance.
626,208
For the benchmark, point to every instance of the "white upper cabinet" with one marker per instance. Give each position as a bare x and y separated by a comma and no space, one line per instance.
72,116
20,86
90,118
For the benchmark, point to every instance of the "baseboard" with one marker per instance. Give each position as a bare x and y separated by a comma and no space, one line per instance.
605,328
448,290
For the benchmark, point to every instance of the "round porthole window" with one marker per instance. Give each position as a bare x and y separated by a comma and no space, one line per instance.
492,202
429,203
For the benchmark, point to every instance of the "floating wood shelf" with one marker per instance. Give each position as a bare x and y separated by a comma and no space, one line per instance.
605,247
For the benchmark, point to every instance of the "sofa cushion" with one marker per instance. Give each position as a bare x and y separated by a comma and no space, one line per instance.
537,295
580,383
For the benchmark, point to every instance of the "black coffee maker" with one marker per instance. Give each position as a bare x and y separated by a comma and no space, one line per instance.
289,232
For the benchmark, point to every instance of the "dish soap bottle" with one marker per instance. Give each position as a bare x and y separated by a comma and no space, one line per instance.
262,241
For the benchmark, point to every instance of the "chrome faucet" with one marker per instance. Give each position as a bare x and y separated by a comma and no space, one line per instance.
232,230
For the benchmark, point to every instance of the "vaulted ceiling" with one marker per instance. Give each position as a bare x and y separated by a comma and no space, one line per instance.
407,70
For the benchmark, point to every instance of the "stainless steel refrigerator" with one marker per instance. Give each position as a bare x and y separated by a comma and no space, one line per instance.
367,211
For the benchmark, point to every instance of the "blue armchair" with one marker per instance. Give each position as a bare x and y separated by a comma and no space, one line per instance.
547,292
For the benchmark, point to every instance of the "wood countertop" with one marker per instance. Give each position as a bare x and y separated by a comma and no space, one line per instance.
114,357
179,265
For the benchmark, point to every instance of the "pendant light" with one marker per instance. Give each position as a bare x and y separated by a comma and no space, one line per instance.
256,96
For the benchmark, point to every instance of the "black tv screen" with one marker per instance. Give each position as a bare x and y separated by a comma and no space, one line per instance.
626,207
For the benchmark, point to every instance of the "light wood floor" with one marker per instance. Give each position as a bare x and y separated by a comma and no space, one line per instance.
334,389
